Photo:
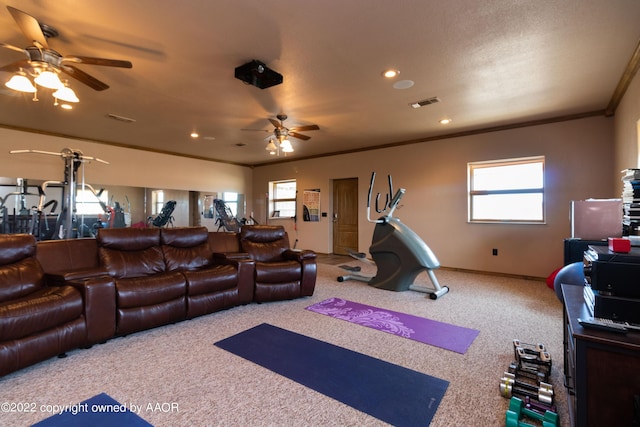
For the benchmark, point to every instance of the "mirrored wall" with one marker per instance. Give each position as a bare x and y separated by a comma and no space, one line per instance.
52,210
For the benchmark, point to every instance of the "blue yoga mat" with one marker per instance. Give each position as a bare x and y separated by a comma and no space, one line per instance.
99,411
388,392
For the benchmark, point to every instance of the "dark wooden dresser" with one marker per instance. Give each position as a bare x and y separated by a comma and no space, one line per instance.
602,369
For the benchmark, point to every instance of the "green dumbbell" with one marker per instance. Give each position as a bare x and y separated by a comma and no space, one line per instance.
517,411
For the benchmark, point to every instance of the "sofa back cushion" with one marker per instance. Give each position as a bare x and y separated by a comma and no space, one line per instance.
185,248
68,255
264,243
20,272
130,252
224,242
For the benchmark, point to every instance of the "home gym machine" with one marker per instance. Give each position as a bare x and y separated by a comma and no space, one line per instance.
67,225
397,251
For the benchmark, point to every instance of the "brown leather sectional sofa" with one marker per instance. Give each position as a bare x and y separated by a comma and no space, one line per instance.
60,295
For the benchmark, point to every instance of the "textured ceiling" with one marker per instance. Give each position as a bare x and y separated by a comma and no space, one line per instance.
491,64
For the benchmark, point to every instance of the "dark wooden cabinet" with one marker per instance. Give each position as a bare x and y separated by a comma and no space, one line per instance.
602,369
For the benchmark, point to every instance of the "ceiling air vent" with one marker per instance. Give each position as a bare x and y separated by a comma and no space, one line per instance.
121,118
424,102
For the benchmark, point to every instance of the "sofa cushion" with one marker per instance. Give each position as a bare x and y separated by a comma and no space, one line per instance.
264,243
128,239
121,264
278,272
130,252
150,290
185,248
216,279
20,279
43,309
14,247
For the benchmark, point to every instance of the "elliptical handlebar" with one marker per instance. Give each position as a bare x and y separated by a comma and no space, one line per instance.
391,200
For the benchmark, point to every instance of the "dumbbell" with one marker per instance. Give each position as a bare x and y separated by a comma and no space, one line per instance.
542,360
517,410
541,408
529,348
509,386
529,372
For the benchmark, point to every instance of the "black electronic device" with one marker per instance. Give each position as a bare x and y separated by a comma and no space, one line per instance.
256,73
611,273
616,308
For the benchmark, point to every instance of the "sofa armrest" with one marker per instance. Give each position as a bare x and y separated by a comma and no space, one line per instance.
99,296
299,254
62,277
222,256
307,260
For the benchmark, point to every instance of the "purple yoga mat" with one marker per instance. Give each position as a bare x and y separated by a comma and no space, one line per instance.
432,332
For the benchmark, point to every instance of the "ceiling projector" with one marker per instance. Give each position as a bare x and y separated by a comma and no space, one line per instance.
256,73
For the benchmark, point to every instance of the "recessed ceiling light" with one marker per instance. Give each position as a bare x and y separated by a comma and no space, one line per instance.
194,135
445,121
403,84
390,73
66,107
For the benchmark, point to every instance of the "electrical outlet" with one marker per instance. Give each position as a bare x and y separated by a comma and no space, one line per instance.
494,252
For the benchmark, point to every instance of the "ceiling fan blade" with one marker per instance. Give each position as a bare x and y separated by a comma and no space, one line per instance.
275,123
299,136
12,47
85,78
16,66
307,127
30,27
98,61
258,130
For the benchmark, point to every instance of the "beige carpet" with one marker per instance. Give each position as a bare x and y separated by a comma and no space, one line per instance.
202,385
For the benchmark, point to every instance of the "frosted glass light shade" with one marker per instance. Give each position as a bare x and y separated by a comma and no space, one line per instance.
21,83
66,94
286,146
49,79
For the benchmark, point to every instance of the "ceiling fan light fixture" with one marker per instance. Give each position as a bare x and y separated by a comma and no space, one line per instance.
286,147
21,83
65,93
271,147
49,79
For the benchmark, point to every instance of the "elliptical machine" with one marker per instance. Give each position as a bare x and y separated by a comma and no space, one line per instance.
398,252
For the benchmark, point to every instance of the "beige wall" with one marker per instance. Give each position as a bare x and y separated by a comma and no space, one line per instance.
579,164
127,168
580,157
627,133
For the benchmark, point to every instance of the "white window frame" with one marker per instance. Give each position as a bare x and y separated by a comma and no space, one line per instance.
275,201
509,190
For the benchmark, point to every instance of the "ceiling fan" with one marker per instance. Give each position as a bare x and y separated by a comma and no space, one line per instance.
41,59
282,134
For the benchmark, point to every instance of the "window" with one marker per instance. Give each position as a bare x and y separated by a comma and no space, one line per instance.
282,198
88,203
231,200
157,201
510,190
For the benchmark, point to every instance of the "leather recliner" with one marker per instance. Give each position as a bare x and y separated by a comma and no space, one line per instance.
214,282
280,272
147,295
37,321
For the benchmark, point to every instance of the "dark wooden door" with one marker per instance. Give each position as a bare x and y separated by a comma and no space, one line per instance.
345,215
